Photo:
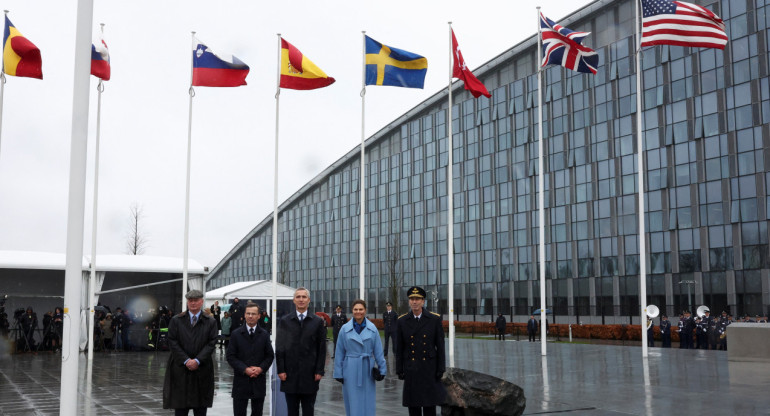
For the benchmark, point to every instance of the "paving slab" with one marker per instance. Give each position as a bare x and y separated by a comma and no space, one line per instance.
573,379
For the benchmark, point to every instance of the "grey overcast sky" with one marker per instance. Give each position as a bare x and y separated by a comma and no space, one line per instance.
145,109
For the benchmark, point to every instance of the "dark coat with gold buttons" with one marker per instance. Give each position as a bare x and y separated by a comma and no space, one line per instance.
420,358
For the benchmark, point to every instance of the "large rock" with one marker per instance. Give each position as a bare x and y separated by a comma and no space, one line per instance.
474,394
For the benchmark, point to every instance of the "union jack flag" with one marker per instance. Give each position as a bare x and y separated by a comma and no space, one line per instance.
681,24
562,46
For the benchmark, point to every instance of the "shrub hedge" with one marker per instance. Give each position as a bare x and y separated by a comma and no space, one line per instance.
610,332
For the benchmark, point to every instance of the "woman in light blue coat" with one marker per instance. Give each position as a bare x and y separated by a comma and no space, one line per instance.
359,348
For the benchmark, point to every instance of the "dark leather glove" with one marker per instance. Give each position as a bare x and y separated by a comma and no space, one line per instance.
341,380
376,374
439,374
400,376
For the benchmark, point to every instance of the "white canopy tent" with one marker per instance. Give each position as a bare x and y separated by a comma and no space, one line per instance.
260,289
29,260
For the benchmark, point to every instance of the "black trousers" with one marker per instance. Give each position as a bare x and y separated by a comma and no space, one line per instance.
531,336
293,402
240,406
389,335
500,334
422,411
198,411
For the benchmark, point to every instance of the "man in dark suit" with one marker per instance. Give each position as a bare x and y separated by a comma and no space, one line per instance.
389,321
420,360
236,314
300,355
251,355
338,319
189,380
532,326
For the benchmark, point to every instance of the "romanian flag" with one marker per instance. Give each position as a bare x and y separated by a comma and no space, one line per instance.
213,70
21,57
298,72
393,66
100,61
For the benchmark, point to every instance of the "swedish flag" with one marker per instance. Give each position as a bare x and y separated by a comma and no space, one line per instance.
393,66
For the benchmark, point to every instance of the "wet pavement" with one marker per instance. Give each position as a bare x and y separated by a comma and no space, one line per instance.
574,379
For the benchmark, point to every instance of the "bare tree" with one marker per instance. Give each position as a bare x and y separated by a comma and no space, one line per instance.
284,263
395,271
136,241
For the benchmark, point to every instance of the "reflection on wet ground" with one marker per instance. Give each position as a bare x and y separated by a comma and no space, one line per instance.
574,379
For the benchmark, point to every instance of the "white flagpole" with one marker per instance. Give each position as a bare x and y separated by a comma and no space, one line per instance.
191,92
640,176
91,280
73,275
362,183
450,213
275,196
2,92
541,188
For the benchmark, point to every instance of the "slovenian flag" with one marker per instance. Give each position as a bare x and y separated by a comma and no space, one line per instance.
100,61
21,58
213,70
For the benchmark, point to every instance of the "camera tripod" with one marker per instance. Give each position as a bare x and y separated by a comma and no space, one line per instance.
27,336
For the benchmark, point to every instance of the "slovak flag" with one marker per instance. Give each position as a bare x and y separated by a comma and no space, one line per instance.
100,61
214,70
563,46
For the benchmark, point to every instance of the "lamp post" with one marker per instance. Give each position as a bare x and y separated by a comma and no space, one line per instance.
434,294
689,283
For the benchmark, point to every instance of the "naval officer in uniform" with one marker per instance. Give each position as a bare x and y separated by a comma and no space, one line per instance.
420,359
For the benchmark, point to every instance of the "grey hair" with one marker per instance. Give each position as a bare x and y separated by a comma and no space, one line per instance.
302,288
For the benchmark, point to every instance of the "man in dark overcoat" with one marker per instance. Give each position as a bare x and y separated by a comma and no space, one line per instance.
250,354
189,381
300,355
532,326
420,359
389,318
338,319
500,326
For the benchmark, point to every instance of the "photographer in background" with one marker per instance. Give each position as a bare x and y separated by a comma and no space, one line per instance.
28,326
4,325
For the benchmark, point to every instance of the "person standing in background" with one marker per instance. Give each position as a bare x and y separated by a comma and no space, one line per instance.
338,319
532,326
665,331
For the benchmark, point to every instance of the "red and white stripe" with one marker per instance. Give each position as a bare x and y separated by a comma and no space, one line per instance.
690,25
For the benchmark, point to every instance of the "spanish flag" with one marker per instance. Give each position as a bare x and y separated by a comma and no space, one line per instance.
298,72
21,57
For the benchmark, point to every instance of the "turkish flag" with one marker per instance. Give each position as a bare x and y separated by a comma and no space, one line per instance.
461,71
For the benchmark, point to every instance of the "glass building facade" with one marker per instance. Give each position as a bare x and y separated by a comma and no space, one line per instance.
706,142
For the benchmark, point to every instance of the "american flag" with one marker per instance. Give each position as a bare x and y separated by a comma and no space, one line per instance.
681,24
562,46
